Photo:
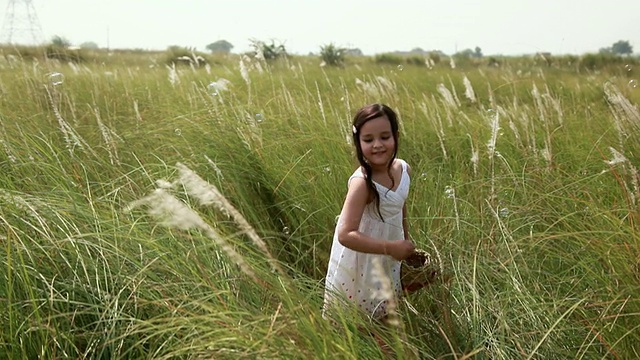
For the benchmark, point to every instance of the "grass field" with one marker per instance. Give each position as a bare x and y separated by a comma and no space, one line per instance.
150,211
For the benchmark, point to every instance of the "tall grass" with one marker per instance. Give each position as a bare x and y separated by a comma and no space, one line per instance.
526,190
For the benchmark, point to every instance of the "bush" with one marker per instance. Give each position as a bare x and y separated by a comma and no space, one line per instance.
416,60
600,60
388,59
64,54
183,55
332,55
268,51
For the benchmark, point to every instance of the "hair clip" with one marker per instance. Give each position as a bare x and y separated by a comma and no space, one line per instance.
354,129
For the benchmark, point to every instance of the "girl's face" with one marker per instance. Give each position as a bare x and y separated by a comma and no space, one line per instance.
377,142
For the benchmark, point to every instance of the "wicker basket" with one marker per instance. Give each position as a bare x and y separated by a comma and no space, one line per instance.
418,271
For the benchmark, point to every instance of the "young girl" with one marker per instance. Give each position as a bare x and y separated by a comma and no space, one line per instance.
372,224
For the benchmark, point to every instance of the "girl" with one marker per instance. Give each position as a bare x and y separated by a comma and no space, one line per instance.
372,225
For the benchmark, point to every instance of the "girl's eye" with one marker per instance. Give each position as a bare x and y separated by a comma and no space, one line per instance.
367,140
386,137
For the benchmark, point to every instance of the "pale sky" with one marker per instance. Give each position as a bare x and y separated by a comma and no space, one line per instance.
497,26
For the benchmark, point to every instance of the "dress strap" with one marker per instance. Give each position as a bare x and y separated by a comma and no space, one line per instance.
356,174
404,165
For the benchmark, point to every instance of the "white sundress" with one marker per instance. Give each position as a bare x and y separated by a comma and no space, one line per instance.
351,274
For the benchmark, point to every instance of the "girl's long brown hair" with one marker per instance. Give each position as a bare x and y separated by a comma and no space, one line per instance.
366,113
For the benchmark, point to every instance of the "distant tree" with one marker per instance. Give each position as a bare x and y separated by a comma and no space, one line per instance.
220,46
59,41
622,47
605,50
466,53
89,45
332,55
477,52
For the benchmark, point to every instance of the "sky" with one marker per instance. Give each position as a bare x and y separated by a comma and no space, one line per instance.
498,27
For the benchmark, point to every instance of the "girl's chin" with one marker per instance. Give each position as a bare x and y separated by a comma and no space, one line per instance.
379,162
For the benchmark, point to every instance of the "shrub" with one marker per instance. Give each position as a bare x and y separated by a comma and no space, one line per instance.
268,51
64,54
332,55
183,55
416,60
387,58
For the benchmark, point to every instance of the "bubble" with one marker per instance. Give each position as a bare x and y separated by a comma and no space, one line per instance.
56,78
504,212
213,88
450,192
400,67
633,84
327,169
423,176
178,132
259,118
628,67
285,230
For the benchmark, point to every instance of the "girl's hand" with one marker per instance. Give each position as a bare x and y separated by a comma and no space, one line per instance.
400,249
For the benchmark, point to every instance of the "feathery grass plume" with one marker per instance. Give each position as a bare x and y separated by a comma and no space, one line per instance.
20,203
547,153
630,172
622,104
106,136
437,124
10,155
215,167
447,96
430,63
494,122
173,213
555,103
385,84
173,74
624,113
72,139
324,117
368,88
221,84
453,92
137,111
452,63
243,70
385,294
250,132
475,155
468,90
208,194
291,104
516,133
618,158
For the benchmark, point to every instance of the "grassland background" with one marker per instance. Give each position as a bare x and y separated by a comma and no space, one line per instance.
516,189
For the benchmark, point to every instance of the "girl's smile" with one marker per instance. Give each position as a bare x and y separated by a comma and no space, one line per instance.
377,142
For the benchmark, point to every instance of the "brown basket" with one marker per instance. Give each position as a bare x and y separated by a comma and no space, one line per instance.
418,270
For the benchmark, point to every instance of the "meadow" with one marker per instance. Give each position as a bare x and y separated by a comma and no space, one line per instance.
182,211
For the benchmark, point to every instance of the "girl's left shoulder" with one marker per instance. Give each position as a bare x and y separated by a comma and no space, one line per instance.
404,165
